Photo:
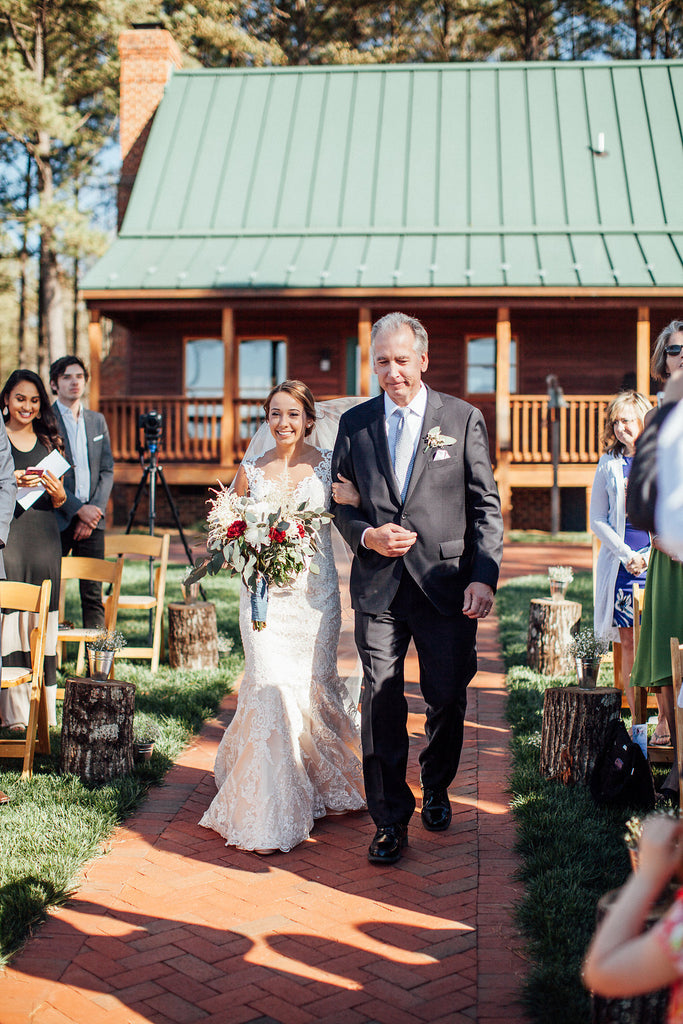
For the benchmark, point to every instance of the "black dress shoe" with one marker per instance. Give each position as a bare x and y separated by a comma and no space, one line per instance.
388,844
436,810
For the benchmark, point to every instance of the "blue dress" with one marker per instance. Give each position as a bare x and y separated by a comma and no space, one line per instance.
637,540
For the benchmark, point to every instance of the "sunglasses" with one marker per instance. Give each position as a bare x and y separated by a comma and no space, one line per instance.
673,350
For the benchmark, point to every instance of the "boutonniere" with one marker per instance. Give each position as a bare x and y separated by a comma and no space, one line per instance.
435,439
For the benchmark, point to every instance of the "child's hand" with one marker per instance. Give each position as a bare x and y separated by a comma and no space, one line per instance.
660,850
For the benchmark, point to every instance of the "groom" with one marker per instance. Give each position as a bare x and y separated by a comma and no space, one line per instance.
427,542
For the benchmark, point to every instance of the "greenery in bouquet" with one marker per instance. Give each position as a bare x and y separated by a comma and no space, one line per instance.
560,573
257,541
106,640
587,644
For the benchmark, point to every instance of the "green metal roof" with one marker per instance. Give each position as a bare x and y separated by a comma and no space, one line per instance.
409,175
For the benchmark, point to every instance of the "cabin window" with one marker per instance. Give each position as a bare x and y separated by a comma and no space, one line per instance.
481,366
262,364
353,370
204,380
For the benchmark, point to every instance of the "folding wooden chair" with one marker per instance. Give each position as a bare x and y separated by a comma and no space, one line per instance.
98,570
155,549
677,673
25,597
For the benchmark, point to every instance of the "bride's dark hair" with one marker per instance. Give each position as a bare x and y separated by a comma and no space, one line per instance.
303,394
45,424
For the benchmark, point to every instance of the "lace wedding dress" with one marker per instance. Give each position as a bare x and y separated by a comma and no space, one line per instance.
291,753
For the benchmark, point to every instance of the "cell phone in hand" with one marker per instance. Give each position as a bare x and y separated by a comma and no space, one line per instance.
34,471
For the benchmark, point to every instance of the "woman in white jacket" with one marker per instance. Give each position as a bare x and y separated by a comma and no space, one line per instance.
624,551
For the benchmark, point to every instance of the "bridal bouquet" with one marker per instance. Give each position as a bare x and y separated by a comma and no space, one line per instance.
266,546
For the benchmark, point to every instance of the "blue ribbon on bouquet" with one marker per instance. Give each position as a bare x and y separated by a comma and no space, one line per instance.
259,603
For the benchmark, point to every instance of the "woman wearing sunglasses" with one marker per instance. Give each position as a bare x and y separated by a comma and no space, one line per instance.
662,615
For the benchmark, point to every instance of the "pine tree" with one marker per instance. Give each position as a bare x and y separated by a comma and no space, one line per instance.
58,103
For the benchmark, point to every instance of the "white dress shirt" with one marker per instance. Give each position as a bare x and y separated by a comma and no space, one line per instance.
75,428
669,506
413,424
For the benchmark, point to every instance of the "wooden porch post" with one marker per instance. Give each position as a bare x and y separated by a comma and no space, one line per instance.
95,344
228,419
643,351
503,454
364,328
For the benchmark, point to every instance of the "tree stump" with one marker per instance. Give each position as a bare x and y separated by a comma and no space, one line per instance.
649,1008
97,728
574,723
192,635
550,631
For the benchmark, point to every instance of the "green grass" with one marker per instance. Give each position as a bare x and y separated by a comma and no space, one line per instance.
54,824
572,850
541,537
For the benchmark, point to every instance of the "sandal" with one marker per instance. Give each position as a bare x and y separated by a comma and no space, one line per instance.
659,741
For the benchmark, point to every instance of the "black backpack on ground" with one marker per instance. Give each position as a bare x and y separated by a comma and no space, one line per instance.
622,775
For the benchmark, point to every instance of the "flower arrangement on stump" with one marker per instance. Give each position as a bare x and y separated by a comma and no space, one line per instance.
559,577
101,648
587,650
265,545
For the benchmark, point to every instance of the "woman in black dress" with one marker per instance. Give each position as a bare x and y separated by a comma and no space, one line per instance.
33,552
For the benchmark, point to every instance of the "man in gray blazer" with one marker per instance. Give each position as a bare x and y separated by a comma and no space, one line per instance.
8,497
89,482
427,541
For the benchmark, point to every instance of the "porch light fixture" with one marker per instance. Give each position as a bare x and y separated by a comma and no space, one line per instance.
325,361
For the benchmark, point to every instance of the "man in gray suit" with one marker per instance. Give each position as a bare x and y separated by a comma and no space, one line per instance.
8,497
427,541
89,482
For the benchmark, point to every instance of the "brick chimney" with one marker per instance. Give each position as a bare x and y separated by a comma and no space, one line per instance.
148,53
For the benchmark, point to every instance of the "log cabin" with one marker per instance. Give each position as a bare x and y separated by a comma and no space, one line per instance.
530,214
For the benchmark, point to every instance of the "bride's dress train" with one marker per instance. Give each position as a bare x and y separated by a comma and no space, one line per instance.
292,752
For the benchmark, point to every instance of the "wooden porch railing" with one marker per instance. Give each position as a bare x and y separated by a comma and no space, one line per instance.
581,426
192,427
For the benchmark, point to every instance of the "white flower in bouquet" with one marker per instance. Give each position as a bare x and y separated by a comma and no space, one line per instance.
264,544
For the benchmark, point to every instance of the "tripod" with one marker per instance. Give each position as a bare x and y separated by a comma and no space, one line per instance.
150,471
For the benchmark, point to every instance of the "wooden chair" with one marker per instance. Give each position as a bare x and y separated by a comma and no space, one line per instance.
98,570
155,549
25,597
677,673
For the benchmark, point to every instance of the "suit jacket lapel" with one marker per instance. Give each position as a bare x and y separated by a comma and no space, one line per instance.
431,419
378,432
65,434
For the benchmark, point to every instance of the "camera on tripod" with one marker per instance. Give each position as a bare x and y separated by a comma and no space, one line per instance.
151,424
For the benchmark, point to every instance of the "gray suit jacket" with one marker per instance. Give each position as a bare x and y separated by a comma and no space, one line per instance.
100,460
8,491
452,504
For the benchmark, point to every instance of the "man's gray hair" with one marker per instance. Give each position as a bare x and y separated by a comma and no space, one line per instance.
394,322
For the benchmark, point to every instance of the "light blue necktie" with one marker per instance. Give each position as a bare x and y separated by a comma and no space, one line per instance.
403,448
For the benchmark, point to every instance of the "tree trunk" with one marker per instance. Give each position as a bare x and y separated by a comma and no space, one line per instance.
192,635
97,728
574,723
650,1008
551,624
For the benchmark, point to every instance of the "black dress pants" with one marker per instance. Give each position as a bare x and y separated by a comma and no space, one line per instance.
447,658
91,592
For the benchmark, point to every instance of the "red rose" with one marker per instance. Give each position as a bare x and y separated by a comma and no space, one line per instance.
277,536
302,532
236,529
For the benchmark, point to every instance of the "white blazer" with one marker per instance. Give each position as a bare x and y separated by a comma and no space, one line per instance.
608,522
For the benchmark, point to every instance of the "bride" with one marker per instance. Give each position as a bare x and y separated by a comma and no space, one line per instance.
292,752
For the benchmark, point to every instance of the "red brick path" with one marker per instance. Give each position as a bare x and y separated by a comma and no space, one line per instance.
171,926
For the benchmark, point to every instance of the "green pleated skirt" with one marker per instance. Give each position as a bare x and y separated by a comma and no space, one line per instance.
662,618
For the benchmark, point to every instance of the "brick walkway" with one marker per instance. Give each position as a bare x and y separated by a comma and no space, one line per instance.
173,927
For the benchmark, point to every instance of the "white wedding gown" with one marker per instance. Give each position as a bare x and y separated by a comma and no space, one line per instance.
292,752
